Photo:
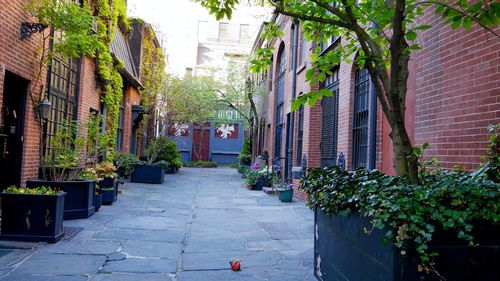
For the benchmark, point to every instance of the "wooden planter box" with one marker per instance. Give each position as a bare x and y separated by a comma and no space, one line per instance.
31,217
109,190
148,174
79,201
344,252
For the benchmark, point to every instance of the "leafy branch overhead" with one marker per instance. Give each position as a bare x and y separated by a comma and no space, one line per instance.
377,35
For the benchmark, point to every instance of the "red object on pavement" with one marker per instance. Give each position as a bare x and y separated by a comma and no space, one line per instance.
235,265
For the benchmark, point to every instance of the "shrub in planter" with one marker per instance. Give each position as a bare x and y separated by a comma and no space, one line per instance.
152,170
32,214
170,154
419,221
125,163
251,178
108,181
62,168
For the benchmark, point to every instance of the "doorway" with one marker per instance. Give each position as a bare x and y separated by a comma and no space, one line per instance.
201,144
12,129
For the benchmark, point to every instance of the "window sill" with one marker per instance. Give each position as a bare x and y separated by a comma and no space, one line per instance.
301,68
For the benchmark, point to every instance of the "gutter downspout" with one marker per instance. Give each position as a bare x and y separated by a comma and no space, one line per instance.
294,90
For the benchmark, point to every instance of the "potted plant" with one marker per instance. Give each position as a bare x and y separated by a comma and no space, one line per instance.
285,192
107,181
32,214
251,178
149,171
90,174
125,163
61,170
444,228
170,154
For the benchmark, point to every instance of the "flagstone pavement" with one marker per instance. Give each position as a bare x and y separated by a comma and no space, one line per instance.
187,229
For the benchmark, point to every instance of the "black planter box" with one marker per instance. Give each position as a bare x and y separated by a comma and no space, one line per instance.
148,174
260,184
79,201
31,217
109,190
97,201
171,170
344,252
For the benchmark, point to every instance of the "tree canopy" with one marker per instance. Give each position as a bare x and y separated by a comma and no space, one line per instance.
378,35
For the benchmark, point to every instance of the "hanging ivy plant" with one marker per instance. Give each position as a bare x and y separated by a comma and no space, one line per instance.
108,14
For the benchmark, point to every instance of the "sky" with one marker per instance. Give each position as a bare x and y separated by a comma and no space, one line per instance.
177,20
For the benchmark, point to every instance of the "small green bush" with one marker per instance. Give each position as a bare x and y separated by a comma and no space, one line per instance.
245,156
170,153
41,190
201,164
126,162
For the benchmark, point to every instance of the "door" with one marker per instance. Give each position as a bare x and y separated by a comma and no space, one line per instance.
201,144
12,129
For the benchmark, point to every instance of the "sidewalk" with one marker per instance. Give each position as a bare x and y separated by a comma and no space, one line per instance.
186,229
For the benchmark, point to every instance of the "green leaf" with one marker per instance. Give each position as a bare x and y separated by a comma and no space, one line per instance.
411,35
423,27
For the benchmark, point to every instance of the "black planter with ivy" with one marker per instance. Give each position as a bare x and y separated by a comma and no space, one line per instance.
343,249
371,226
35,217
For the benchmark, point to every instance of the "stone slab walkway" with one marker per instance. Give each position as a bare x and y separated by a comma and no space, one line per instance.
186,229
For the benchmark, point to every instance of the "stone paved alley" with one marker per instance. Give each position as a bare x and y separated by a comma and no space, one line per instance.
186,229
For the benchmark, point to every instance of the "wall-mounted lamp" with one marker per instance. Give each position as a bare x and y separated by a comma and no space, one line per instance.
28,28
44,108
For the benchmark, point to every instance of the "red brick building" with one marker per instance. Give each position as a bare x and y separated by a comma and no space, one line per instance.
453,95
72,90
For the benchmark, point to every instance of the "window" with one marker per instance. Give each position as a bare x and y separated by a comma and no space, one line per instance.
304,49
244,32
360,119
119,133
223,30
62,95
300,135
280,96
324,45
329,118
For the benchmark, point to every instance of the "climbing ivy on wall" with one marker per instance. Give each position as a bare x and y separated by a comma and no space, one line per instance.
109,13
153,73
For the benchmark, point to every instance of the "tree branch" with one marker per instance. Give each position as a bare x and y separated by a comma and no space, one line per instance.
474,19
280,10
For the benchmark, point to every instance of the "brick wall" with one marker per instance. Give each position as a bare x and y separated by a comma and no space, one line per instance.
132,97
19,57
457,92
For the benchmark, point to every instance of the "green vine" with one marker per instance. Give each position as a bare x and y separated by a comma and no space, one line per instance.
109,13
